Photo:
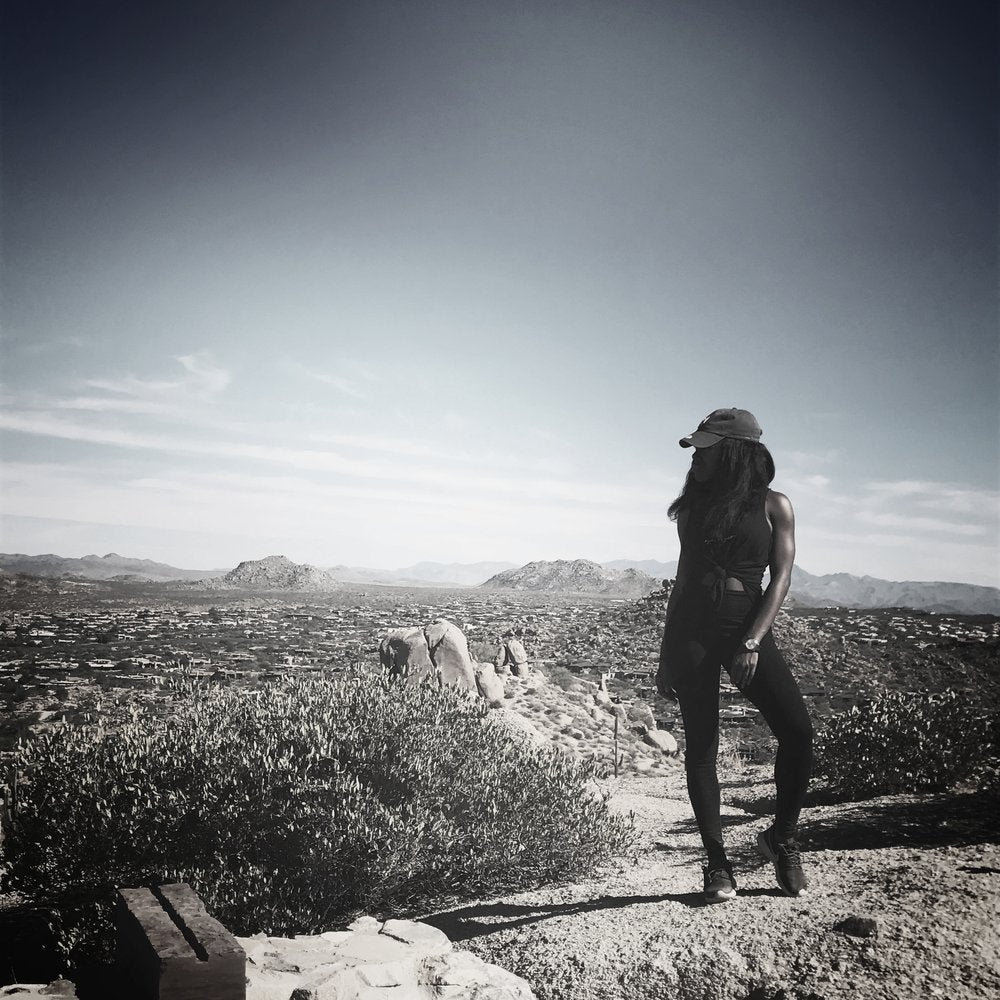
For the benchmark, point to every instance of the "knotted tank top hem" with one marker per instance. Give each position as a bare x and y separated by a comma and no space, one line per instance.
743,556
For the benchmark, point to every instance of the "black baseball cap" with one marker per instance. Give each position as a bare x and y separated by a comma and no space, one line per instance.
725,423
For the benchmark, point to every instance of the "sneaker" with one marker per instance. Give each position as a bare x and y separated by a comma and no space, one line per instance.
787,862
719,884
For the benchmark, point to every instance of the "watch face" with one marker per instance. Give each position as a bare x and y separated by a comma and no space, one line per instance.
752,644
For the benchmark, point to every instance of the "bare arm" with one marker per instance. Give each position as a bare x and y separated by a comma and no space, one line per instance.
779,510
782,558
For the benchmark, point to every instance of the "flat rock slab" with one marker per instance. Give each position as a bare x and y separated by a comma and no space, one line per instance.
39,991
374,960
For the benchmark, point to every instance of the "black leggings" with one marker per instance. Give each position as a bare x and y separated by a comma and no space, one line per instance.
694,650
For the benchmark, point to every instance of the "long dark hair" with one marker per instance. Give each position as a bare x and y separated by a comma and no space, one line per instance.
737,487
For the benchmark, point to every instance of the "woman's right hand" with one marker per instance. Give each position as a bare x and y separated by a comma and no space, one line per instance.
663,686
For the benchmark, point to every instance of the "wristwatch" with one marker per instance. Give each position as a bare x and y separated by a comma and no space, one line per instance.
751,645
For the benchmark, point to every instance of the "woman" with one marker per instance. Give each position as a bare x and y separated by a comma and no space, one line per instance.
731,525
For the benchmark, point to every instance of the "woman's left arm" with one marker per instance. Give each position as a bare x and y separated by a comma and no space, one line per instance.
782,517
779,510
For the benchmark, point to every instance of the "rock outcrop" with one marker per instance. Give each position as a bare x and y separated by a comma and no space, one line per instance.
437,650
40,991
490,685
515,658
577,576
278,573
372,960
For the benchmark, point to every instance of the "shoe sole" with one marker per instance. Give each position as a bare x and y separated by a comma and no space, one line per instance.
765,849
720,897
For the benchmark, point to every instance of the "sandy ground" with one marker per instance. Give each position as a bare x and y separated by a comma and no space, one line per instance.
926,869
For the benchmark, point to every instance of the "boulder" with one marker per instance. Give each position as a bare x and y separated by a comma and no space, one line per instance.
490,686
662,740
449,653
404,651
516,656
640,712
439,650
500,659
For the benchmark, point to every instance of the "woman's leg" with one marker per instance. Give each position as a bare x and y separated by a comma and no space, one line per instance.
695,671
776,694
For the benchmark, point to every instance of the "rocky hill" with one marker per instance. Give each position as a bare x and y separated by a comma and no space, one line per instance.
278,573
577,576
93,567
845,590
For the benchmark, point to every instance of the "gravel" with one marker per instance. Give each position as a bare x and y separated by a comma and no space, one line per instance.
903,903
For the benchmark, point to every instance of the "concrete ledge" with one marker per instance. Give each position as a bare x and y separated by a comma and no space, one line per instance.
172,949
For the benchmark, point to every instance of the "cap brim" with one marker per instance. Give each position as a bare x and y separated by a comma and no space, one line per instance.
700,439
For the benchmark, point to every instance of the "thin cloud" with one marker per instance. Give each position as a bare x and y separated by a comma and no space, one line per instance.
204,377
205,374
901,522
216,501
104,404
129,385
326,461
808,459
349,387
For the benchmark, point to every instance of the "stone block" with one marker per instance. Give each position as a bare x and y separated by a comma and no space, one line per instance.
172,949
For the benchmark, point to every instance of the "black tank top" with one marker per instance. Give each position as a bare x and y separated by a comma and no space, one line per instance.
743,555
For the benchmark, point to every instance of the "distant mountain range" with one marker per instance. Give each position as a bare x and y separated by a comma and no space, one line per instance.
92,567
424,573
619,577
658,570
845,590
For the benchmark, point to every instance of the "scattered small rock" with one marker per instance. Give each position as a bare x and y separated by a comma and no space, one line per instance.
855,926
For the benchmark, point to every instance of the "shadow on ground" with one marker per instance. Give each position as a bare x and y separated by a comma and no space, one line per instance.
488,918
688,828
932,820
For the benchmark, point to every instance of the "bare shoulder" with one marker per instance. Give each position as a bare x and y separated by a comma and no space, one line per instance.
778,508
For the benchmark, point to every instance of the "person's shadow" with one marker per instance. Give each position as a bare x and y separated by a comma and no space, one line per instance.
480,919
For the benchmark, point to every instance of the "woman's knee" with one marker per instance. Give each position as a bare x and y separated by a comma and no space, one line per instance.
795,731
700,755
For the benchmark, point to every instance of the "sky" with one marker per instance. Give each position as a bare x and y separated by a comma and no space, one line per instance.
371,282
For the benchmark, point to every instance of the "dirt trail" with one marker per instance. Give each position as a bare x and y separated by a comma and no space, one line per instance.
926,869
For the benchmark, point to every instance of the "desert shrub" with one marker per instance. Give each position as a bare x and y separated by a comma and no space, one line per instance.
483,652
295,806
905,742
561,676
733,758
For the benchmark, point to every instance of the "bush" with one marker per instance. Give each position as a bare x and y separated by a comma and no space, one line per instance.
904,742
484,652
294,807
561,676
